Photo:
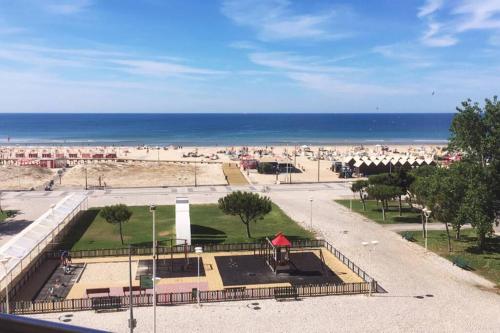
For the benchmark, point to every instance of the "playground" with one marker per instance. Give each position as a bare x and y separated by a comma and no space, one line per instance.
273,264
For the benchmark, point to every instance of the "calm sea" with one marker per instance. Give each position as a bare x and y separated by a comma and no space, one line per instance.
222,129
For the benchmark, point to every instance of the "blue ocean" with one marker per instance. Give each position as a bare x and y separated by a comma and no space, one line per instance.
222,129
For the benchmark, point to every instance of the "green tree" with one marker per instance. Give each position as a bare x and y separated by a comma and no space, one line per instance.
446,189
475,131
360,186
116,214
478,206
419,189
383,193
248,206
394,181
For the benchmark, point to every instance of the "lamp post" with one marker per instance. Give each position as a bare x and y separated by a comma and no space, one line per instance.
311,212
86,179
152,209
370,245
199,251
318,162
131,322
195,176
427,213
4,261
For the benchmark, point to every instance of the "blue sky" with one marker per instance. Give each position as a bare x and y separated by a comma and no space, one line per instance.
247,55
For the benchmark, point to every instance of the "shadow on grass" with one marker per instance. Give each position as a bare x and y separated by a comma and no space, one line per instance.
492,246
207,235
79,228
407,219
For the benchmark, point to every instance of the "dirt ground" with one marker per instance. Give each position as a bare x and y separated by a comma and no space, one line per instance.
24,177
138,174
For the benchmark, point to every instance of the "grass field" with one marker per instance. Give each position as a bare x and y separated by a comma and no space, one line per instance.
208,225
374,212
485,263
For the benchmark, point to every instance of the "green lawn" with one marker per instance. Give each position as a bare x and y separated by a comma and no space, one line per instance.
485,263
374,212
208,225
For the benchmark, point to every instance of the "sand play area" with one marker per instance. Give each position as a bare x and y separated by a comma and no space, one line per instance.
219,270
136,174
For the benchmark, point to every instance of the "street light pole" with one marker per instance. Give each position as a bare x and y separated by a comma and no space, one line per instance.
132,322
199,251
427,214
4,261
152,209
311,212
370,246
195,180
86,179
318,164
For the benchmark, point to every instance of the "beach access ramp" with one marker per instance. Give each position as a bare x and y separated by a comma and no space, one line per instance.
233,174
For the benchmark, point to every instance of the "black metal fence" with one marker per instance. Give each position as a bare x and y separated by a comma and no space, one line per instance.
30,307
161,250
186,298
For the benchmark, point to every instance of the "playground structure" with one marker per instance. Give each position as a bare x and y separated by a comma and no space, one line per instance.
277,255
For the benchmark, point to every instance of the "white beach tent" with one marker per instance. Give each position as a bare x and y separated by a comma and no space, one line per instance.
182,221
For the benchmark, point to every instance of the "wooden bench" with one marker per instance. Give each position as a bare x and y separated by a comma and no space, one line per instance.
92,291
106,303
461,262
134,288
286,293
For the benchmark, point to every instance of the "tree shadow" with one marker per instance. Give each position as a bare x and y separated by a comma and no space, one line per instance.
407,219
491,246
13,227
206,235
79,228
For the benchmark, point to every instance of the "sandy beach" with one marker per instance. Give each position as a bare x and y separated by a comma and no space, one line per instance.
175,166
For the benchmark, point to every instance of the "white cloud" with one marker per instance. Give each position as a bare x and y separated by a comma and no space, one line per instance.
274,20
433,36
329,85
63,7
429,7
407,54
292,62
105,62
461,16
483,14
244,45
315,73
162,68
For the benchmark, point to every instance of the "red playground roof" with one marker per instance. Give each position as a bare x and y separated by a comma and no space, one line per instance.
281,240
